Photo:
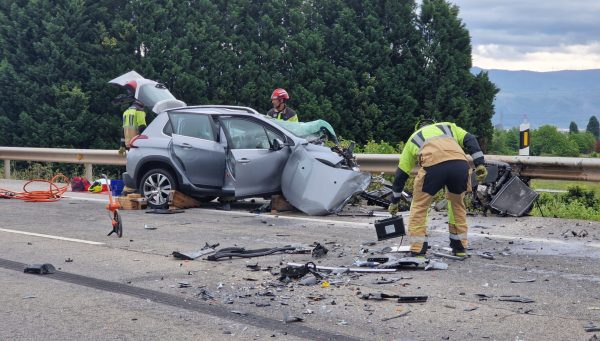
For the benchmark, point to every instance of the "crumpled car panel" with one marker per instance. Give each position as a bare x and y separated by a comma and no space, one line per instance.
318,189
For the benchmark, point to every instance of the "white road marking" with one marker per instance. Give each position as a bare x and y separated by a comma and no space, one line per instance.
87,199
329,221
532,239
52,237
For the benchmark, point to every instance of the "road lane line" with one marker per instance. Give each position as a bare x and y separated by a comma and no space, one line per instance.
280,216
52,237
533,239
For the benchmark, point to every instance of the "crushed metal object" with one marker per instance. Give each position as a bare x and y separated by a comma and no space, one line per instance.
241,252
191,255
319,251
344,270
41,269
516,298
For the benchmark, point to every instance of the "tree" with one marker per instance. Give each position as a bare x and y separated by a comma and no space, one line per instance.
593,127
585,141
573,129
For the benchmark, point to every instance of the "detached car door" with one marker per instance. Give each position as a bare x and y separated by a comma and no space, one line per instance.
257,168
195,147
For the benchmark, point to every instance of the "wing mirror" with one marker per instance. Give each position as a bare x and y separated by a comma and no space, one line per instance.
277,144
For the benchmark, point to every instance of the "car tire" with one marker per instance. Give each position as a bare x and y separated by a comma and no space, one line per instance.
156,185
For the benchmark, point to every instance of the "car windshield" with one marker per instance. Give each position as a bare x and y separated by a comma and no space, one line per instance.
307,130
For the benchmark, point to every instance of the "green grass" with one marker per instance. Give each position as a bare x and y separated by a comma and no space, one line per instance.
564,185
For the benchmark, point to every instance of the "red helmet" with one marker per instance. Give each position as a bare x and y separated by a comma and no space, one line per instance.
281,94
131,86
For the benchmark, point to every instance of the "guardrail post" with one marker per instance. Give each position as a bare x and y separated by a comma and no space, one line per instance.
88,171
6,169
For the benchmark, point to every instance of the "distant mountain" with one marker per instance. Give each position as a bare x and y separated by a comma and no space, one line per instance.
555,98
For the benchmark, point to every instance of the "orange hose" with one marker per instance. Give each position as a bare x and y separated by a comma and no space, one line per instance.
54,193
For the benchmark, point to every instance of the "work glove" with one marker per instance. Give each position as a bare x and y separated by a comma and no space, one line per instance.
393,209
481,173
122,150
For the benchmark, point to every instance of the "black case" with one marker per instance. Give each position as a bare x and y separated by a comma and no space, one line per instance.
390,228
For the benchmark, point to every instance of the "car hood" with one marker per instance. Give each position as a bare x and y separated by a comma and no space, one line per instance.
154,95
316,188
307,130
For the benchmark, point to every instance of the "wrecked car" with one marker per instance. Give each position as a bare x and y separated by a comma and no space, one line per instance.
234,152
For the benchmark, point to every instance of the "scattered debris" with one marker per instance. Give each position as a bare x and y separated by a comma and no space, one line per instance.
289,318
148,227
435,265
241,313
191,255
390,228
591,327
379,296
471,308
69,260
445,255
41,269
319,251
515,298
164,211
396,316
526,280
28,297
486,255
412,299
484,297
241,252
205,295
343,270
184,284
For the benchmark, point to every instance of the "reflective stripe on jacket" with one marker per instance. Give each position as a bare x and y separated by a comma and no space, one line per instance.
433,144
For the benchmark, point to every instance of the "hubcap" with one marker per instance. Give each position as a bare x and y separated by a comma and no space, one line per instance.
156,189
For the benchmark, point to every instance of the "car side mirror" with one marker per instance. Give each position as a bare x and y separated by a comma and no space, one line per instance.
277,144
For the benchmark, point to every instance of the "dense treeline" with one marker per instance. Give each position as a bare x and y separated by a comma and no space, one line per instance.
370,68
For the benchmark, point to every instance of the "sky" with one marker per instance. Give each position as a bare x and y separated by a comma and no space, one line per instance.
536,35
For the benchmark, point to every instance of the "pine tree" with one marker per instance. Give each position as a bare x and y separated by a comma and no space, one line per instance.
573,129
593,127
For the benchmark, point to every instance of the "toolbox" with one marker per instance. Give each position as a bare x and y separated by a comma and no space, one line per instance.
390,228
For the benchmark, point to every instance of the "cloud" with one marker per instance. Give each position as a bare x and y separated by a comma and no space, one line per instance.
533,35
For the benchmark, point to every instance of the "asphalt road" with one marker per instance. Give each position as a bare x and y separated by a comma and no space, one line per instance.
129,288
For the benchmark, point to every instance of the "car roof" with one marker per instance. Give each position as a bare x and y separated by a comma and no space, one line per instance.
218,110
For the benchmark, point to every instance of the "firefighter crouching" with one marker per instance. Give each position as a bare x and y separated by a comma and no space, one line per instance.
438,150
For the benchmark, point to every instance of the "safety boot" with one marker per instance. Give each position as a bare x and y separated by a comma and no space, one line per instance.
457,248
421,253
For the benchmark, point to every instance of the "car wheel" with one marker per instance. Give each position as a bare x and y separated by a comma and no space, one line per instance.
156,186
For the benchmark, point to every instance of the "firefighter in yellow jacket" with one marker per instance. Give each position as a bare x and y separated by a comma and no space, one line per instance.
438,150
134,123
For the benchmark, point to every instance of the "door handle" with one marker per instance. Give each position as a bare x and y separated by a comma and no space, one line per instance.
186,145
244,160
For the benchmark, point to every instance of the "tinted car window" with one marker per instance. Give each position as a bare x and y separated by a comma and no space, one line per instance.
192,125
245,134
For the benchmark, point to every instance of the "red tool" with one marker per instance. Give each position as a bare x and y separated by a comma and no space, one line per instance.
113,209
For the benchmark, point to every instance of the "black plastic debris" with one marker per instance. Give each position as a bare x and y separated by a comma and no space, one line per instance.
40,269
319,251
241,252
516,298
205,295
390,228
395,316
412,299
191,255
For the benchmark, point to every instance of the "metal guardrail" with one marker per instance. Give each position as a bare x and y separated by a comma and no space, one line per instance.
87,157
538,167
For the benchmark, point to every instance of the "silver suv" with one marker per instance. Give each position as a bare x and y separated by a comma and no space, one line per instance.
235,152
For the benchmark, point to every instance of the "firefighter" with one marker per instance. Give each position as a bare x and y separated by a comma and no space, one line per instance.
280,110
134,119
438,150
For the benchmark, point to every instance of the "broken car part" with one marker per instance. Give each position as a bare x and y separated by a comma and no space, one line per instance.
304,176
319,251
343,270
205,250
41,269
241,252
445,255
503,192
516,298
